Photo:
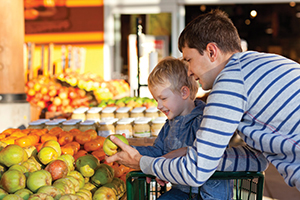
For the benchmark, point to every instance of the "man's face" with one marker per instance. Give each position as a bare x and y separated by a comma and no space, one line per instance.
200,66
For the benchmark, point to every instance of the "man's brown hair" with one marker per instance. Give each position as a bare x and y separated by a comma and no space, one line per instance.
215,27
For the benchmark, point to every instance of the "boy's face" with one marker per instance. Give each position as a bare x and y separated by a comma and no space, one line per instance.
169,102
200,67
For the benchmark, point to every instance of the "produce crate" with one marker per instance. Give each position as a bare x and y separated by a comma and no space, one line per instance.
247,185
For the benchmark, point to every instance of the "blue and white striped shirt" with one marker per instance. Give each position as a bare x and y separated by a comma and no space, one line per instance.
257,94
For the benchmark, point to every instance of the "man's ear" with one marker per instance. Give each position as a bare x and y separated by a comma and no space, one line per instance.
212,51
185,92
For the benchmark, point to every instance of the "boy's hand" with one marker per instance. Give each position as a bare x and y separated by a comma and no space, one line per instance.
129,156
176,153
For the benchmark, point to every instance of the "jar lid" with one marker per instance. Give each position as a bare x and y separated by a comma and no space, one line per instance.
87,122
60,120
142,120
159,120
109,109
123,110
94,110
152,110
138,109
125,121
52,122
107,121
34,123
80,110
72,122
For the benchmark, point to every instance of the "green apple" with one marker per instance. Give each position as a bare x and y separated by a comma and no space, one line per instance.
111,148
104,193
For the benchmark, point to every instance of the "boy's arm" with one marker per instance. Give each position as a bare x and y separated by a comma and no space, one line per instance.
156,150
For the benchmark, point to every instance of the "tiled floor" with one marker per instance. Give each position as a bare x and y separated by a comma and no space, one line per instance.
276,189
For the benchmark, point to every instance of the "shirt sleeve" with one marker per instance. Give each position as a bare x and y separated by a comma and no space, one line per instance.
222,114
157,149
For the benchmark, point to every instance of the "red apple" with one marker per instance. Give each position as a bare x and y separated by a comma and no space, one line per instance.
73,94
52,108
38,95
30,84
46,97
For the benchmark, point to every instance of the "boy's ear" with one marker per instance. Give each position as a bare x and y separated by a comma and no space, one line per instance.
185,92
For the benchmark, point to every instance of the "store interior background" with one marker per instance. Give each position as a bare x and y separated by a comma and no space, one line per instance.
274,29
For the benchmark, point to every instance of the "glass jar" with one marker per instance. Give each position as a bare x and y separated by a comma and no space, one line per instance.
137,112
108,113
51,124
60,121
94,114
79,113
161,114
156,125
106,127
122,112
124,126
152,112
87,125
38,124
141,127
70,124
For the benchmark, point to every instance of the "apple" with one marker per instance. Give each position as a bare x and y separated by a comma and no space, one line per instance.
37,87
30,84
31,92
41,104
52,92
104,193
46,97
65,102
73,94
44,90
57,101
111,148
52,108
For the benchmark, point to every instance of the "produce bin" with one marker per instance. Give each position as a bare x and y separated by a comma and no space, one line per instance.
247,185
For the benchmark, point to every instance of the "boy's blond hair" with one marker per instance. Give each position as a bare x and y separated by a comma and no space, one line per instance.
175,71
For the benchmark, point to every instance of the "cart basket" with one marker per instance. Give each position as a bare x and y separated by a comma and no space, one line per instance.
247,185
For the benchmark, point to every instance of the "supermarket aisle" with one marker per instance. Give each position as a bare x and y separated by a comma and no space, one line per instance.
276,189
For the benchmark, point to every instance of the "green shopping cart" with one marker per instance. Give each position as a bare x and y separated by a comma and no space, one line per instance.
247,185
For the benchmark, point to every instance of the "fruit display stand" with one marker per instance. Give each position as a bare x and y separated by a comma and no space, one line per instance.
39,163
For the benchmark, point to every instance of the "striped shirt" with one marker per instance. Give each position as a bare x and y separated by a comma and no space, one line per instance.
259,95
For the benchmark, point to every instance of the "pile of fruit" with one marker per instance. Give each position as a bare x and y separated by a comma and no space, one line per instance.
131,102
68,91
47,93
57,164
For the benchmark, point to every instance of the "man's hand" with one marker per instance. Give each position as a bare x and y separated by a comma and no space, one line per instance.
160,182
129,156
176,153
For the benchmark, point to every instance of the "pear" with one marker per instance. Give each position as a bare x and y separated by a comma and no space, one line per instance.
12,154
12,181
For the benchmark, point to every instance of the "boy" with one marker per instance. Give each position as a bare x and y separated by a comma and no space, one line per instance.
175,94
